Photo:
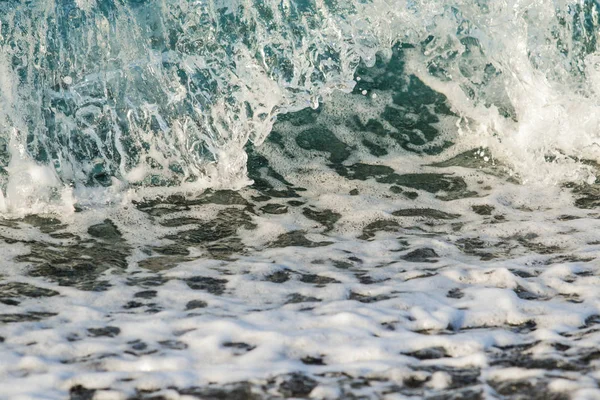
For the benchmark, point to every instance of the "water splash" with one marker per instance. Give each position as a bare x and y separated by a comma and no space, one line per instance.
156,93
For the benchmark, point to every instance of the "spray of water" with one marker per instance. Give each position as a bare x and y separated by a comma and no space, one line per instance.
97,93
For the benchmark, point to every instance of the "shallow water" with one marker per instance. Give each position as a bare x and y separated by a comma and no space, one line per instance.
393,241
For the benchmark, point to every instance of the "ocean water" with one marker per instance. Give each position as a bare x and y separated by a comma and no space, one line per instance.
260,199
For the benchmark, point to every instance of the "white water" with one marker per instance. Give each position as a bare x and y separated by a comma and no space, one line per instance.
157,93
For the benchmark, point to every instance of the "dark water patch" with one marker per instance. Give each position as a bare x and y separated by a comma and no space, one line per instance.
424,274
92,358
274,208
236,391
448,187
239,347
80,265
172,250
460,394
295,298
521,328
225,249
13,290
472,159
217,236
588,356
106,231
44,224
296,238
80,262
340,264
366,298
322,139
266,188
259,171
569,258
572,298
107,331
524,273
63,236
588,196
460,377
425,213
260,198
363,172
146,281
430,353
278,277
31,316
525,327
310,360
214,286
381,225
529,362
431,183
483,209
181,221
8,223
221,197
389,326
525,294
424,254
173,344
162,263
297,385
592,320
307,116
415,110
327,218
195,304
520,356
132,305
484,250
406,193
584,273
561,347
138,348
374,148
318,280
528,242
534,389
226,224
79,392
565,217
455,293
365,279
160,206
498,219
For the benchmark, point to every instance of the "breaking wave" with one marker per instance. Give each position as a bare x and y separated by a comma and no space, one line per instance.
130,93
